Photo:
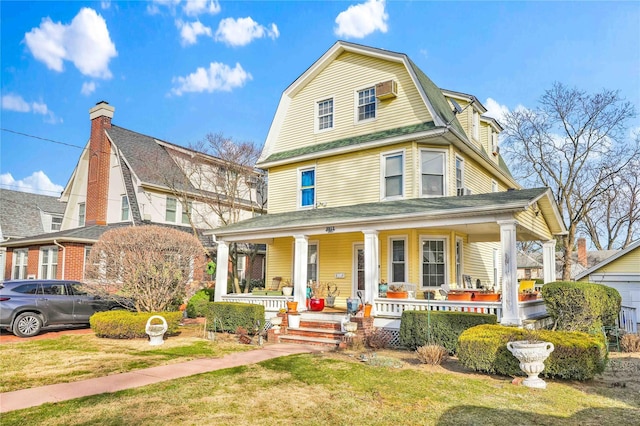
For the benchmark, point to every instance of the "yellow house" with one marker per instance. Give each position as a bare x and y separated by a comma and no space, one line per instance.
376,174
622,272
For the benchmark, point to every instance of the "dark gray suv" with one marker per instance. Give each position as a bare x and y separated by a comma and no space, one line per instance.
28,305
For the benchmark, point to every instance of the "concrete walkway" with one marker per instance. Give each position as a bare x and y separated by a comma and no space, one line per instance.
33,397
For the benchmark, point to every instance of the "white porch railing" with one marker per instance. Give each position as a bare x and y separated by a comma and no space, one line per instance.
270,303
628,319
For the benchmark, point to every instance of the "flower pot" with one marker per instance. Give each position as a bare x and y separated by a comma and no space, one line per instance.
531,356
294,320
382,290
397,294
156,331
350,329
330,301
459,296
287,291
316,304
292,306
486,297
353,305
367,310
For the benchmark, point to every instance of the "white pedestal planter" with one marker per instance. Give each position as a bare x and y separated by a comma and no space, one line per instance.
276,322
156,331
531,356
294,320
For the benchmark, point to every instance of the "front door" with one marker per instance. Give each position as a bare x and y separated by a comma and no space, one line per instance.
358,269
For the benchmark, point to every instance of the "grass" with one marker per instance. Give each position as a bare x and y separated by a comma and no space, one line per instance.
330,388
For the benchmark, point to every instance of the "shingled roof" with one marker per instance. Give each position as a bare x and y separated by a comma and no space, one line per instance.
21,212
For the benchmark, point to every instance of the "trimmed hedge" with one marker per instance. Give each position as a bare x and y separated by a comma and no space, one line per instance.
231,315
446,327
577,356
130,325
197,305
581,306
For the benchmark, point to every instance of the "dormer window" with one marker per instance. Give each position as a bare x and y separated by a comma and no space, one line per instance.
325,114
56,223
367,104
476,125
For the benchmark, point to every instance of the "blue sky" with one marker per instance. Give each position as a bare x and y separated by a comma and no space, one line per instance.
178,70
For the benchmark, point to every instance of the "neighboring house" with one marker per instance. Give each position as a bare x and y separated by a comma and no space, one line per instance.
124,178
375,174
528,267
22,215
622,272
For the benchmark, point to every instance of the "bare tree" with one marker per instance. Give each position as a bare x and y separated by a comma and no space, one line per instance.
153,265
613,220
574,143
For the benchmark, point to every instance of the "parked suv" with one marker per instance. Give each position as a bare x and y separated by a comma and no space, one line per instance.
28,305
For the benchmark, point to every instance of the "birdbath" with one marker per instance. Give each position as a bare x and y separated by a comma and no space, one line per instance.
156,331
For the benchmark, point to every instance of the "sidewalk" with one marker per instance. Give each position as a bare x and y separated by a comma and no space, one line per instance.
33,397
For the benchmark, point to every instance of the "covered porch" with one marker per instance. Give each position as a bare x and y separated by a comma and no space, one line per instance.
441,240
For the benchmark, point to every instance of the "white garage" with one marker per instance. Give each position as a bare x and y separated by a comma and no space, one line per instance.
622,272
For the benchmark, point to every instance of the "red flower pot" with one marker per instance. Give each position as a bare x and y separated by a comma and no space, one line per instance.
316,304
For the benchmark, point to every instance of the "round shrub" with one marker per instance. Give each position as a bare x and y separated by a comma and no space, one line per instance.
577,356
129,325
197,305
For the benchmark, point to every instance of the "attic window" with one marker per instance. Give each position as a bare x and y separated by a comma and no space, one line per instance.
56,223
367,104
325,114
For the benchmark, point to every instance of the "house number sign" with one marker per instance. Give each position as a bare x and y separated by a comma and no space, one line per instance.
330,229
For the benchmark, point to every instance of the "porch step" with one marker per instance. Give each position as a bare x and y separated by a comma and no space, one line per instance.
323,332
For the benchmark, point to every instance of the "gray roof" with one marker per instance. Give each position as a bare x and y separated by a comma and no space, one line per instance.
20,212
525,261
383,210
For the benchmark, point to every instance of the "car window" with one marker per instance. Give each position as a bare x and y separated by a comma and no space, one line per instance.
77,289
31,288
53,289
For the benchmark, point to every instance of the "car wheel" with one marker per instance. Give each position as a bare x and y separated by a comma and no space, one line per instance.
27,324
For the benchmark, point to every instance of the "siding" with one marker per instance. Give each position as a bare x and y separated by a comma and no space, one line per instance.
537,223
340,80
629,264
478,262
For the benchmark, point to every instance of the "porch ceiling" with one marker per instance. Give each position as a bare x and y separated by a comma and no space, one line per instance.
475,215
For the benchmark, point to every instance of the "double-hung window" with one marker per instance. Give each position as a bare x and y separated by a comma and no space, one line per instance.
20,260
325,114
124,209
81,213
48,263
170,211
398,259
476,125
459,176
56,223
432,168
312,262
308,187
186,212
393,167
434,261
367,104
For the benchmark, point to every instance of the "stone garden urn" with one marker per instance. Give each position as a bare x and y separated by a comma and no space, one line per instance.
531,355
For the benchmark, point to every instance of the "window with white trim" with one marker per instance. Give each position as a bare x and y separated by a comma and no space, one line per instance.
325,114
56,223
81,213
20,261
459,176
312,262
434,261
459,247
48,263
124,208
87,253
398,260
476,125
494,186
367,104
186,212
307,187
170,210
393,171
432,169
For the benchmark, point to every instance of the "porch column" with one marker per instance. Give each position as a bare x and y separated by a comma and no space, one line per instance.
549,261
300,271
510,309
370,265
222,271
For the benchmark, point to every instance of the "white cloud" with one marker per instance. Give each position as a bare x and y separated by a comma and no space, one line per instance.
40,108
241,31
189,31
154,6
219,77
88,88
15,103
85,42
362,19
37,183
197,7
496,110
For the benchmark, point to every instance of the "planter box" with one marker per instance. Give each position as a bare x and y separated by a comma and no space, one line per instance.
486,297
397,294
459,296
523,297
259,292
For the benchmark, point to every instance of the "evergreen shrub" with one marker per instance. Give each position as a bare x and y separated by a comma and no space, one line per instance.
231,315
130,325
197,305
446,327
577,355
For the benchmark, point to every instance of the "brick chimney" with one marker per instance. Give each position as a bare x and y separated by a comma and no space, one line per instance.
99,165
582,252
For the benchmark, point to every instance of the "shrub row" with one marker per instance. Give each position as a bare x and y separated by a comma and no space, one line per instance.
581,306
419,328
129,325
577,355
228,316
197,305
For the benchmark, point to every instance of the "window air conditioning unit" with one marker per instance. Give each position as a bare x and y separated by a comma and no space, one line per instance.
387,90
496,150
463,191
